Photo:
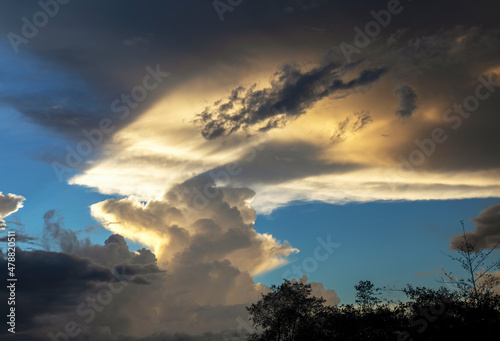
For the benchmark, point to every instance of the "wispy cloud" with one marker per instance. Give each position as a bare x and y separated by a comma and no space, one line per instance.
291,88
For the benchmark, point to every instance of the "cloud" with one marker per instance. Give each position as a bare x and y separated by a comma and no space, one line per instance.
115,251
350,127
196,277
486,234
110,291
20,238
135,42
61,288
9,203
290,149
318,290
54,233
407,101
197,222
95,72
64,287
51,284
291,94
306,5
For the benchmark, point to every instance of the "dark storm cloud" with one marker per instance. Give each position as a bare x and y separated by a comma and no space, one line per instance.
110,54
446,69
50,282
95,63
291,94
21,236
49,95
95,60
282,161
486,234
53,284
407,101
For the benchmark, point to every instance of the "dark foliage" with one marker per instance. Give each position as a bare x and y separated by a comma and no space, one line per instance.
289,313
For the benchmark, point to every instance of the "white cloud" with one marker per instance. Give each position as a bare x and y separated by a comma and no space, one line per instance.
209,255
180,232
9,203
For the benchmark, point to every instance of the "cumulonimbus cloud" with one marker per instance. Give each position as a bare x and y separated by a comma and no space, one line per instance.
197,222
199,277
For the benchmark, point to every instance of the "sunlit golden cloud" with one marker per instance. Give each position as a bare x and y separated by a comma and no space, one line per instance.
164,147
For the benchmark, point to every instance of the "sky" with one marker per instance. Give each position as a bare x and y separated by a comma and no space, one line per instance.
165,162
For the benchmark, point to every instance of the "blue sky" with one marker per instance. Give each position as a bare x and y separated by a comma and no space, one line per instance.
389,243
34,179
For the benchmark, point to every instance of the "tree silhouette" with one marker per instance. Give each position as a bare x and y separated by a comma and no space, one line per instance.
479,285
471,311
288,312
366,295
